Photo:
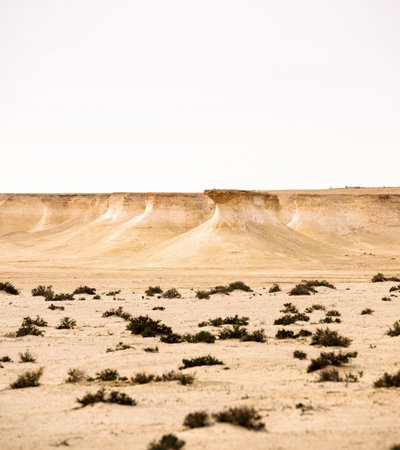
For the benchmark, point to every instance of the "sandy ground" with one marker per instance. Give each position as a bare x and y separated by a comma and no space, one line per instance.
262,375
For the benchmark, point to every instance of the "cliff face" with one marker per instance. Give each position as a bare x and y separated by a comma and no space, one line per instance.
214,229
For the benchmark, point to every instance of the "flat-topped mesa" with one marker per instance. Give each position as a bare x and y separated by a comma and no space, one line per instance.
240,209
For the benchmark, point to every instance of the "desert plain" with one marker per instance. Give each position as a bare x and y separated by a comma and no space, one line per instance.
194,242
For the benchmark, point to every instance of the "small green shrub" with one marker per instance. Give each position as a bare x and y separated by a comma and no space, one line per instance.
84,290
198,419
75,375
172,293
274,288
241,416
30,378
330,359
167,442
387,380
101,397
152,291
147,327
66,323
202,295
27,356
329,338
43,291
200,361
54,307
394,330
8,287
298,354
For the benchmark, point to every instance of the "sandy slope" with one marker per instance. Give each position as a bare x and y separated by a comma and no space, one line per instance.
265,376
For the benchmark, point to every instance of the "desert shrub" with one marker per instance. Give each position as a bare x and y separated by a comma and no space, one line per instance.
241,416
43,291
236,332
172,293
303,333
298,354
27,356
274,288
230,320
8,287
395,288
38,321
142,378
151,349
147,327
289,308
202,295
167,442
119,312
173,338
333,313
54,307
367,311
237,285
330,359
75,375
96,297
197,419
302,289
202,336
5,359
387,380
285,334
318,283
394,330
329,375
255,336
113,293
329,319
182,378
288,319
386,299
201,361
60,297
107,375
30,378
26,330
158,308
152,291
118,347
66,323
84,290
329,338
379,277
100,396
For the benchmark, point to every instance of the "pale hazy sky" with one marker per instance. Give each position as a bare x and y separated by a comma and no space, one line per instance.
167,95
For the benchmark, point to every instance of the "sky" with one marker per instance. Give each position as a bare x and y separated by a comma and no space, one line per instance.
183,95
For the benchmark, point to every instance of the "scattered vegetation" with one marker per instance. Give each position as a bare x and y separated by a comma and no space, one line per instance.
172,338
289,308
318,283
236,332
330,359
38,321
379,278
75,375
60,297
329,338
107,375
8,287
395,288
66,323
167,442
54,307
43,291
27,356
147,327
30,378
198,419
200,361
84,290
367,311
394,330
119,312
102,397
234,320
329,375
298,354
172,293
118,347
202,295
144,378
315,307
113,293
152,291
274,288
288,334
387,380
288,319
302,289
241,416
255,336
202,336
29,329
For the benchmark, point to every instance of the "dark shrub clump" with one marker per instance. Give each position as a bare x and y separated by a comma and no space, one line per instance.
394,330
66,323
241,416
54,307
202,336
197,419
147,327
201,361
8,287
367,311
84,290
101,397
167,442
202,295
172,293
119,312
298,354
329,338
288,319
43,291
152,291
387,381
274,288
330,359
30,378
